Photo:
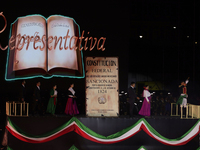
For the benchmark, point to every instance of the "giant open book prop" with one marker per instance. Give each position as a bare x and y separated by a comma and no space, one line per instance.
44,47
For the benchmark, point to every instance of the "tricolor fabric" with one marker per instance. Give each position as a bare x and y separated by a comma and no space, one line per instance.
73,148
142,148
180,99
76,126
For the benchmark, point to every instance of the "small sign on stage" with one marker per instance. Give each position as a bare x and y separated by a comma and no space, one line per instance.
102,84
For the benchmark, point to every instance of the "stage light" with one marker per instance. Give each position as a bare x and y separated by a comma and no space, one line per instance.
122,91
174,27
125,93
140,101
141,36
195,42
188,36
135,103
168,93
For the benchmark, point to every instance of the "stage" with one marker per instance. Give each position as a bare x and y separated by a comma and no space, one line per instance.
98,130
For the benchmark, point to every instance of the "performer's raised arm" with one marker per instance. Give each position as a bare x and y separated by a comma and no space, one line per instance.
186,82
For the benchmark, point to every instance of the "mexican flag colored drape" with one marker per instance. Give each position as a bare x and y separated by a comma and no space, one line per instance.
74,125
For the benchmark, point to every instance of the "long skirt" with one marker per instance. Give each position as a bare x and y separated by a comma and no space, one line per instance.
146,108
181,98
51,107
71,107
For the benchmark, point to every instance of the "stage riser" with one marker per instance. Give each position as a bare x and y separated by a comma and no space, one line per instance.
169,128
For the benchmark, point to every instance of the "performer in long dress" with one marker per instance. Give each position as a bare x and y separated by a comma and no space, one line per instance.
146,106
182,100
71,107
51,107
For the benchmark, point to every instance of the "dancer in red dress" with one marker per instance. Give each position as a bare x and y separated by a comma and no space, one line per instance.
146,105
71,107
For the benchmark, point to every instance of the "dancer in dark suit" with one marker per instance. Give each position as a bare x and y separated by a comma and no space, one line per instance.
36,99
22,93
132,96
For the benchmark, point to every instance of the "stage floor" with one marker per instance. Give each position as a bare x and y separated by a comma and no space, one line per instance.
168,127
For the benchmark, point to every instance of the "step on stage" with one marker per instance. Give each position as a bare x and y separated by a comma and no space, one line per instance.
154,133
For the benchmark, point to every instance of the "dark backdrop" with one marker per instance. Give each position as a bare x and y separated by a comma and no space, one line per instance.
108,19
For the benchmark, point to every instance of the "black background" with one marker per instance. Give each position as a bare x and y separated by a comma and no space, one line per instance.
110,19
164,53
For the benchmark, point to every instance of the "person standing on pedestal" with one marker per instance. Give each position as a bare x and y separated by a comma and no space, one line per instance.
51,107
36,99
146,105
182,100
132,96
71,107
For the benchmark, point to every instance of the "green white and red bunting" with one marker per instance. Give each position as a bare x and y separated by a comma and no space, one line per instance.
76,126
142,148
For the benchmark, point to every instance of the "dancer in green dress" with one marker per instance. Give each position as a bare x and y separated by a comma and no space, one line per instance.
51,107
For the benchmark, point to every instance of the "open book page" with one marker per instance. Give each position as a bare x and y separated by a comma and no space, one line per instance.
28,57
58,26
